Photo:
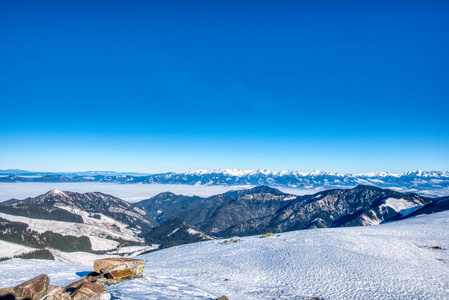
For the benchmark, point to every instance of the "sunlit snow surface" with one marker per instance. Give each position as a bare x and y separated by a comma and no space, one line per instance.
391,261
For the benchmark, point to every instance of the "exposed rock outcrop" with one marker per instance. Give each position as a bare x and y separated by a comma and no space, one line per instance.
118,268
90,291
33,289
108,271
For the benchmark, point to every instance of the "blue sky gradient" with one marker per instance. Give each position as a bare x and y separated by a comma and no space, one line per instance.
157,86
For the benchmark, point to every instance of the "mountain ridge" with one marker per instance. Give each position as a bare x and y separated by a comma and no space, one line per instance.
236,172
92,202
102,223
263,208
435,183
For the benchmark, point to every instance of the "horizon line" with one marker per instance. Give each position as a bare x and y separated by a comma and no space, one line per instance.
229,170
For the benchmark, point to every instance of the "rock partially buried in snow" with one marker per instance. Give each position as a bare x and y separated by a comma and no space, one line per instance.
120,267
34,288
74,285
57,293
90,291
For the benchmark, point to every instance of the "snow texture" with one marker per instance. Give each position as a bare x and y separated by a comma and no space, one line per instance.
10,249
100,244
389,261
398,204
192,231
79,258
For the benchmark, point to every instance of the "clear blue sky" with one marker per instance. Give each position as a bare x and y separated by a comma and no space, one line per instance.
157,86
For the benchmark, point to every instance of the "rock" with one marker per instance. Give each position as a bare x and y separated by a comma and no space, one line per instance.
51,288
115,274
58,293
74,285
7,294
107,282
34,288
222,298
90,291
94,276
6,291
120,267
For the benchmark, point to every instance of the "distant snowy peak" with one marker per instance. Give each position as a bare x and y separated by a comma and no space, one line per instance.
377,174
231,172
56,192
316,173
111,176
241,173
420,173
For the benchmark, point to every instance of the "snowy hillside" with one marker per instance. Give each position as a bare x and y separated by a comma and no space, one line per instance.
65,223
389,261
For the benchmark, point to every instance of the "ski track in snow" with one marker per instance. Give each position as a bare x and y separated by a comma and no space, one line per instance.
389,261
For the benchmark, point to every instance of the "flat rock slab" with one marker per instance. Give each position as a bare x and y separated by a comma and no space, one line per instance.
120,267
34,288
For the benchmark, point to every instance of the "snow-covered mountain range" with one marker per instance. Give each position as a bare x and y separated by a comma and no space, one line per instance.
434,183
404,261
98,224
262,209
63,224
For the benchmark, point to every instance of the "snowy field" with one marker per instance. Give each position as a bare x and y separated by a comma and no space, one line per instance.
11,249
390,261
128,192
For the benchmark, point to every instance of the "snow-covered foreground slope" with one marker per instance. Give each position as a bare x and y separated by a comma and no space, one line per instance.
390,261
